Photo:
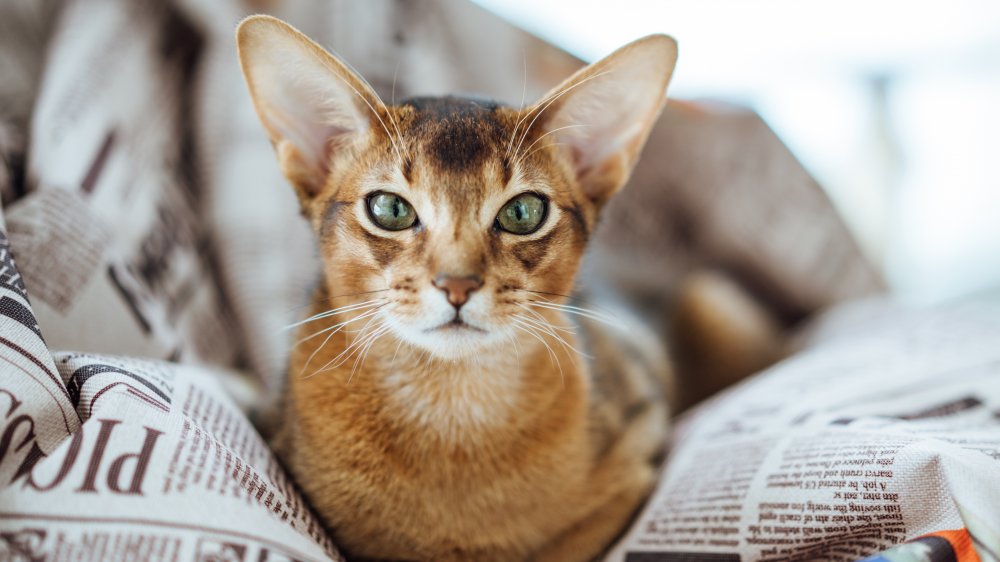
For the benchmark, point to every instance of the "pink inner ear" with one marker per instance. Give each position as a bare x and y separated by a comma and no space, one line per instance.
313,140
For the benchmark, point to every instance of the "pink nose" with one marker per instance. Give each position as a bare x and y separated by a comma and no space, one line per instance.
458,288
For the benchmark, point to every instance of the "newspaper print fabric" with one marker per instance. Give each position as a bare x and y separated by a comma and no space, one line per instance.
117,458
116,254
161,465
885,429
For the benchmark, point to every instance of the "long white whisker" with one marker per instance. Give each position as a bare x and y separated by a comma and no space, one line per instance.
609,320
335,311
399,154
538,316
335,328
594,307
517,350
358,349
548,302
349,351
360,361
552,354
543,147
352,345
579,308
524,94
395,353
524,117
556,130
557,337
399,135
524,82
339,325
565,91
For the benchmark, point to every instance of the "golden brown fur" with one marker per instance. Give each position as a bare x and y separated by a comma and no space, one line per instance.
489,436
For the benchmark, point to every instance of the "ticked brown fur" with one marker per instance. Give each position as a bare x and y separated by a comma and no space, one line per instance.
491,436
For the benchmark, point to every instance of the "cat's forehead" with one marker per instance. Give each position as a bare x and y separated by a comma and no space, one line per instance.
456,134
455,149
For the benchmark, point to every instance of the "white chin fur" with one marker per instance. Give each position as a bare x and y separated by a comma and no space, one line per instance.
432,334
448,342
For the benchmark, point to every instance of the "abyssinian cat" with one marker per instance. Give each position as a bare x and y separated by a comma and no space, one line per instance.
448,399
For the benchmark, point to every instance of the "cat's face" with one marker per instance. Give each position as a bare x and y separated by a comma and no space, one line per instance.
462,235
454,222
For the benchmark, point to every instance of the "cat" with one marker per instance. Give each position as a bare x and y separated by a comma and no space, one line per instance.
448,398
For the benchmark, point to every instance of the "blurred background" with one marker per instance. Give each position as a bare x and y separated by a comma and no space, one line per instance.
141,196
891,105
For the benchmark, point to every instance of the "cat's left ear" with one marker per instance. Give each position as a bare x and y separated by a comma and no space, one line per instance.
604,112
312,105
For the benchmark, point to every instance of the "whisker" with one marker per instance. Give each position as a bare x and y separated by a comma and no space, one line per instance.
327,299
550,102
517,350
572,297
541,325
353,341
425,359
399,154
360,361
611,321
524,82
340,325
395,353
556,336
399,135
524,93
392,97
359,350
524,117
341,309
336,328
556,130
552,354
334,312
538,316
349,351
543,147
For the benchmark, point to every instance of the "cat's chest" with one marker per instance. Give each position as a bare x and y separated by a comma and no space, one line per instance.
451,407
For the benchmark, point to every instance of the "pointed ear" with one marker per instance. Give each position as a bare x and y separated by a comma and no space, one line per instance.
311,104
603,113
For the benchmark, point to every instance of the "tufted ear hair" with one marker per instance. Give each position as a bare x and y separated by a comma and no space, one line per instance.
602,115
311,104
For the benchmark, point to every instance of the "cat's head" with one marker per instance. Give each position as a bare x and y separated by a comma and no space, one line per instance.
460,218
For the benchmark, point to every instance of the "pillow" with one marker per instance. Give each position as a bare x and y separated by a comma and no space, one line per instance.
883,428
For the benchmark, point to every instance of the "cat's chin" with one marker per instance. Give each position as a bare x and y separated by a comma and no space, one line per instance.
452,340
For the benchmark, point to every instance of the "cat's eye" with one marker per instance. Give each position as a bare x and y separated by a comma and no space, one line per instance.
523,214
391,211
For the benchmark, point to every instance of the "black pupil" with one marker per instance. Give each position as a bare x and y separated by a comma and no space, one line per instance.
397,208
520,210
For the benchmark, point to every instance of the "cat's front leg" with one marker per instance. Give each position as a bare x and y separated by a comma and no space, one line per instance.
625,477
591,536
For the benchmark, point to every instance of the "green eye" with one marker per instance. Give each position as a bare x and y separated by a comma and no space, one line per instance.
522,214
391,212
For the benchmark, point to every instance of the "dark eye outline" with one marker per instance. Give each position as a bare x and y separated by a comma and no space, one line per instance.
371,215
545,214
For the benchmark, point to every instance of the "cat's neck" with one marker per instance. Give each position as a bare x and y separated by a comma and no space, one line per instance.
454,400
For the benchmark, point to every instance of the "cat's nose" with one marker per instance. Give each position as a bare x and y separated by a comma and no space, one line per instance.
457,288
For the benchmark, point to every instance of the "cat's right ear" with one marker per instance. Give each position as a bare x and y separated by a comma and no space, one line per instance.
311,104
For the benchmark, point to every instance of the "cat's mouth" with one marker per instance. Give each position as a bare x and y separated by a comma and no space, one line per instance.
456,323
